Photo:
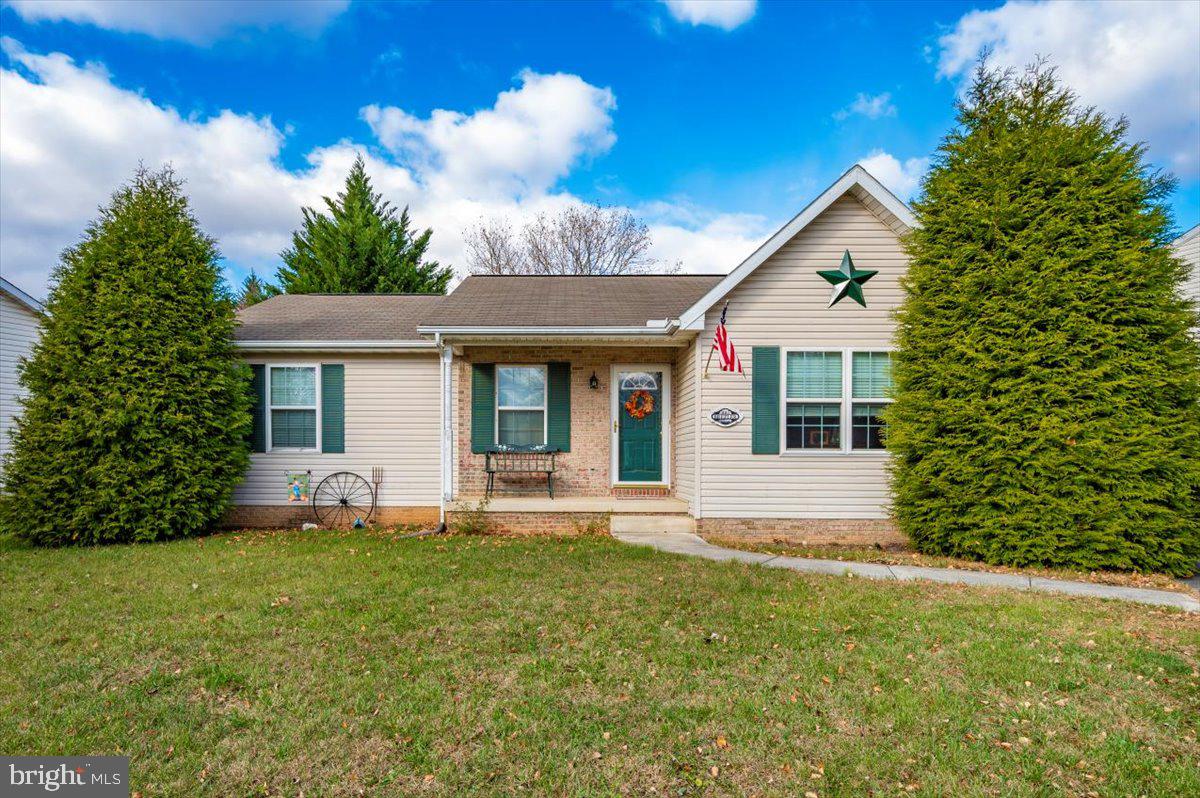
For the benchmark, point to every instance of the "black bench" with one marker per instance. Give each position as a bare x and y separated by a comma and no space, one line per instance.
520,460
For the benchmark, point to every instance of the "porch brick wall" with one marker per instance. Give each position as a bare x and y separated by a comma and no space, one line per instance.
583,471
524,524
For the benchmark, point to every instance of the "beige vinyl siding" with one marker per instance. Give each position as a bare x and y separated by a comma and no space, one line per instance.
392,420
18,333
1187,249
783,303
683,382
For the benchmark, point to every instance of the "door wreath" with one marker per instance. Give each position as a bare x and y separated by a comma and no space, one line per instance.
639,404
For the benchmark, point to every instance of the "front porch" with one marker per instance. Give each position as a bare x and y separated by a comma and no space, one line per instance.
611,414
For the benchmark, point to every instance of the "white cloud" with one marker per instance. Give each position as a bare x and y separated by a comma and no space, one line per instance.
522,145
69,136
724,14
195,21
903,178
1138,59
872,106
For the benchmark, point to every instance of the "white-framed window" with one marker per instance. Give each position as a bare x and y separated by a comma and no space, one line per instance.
871,385
832,400
521,405
813,395
293,401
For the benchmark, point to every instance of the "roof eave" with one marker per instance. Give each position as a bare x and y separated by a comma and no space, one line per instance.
667,329
336,346
21,297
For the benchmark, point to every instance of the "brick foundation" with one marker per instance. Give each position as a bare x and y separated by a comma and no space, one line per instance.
532,524
810,531
283,516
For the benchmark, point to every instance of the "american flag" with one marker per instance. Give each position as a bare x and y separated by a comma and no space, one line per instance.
724,347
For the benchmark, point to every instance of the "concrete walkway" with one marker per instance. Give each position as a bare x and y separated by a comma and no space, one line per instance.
688,543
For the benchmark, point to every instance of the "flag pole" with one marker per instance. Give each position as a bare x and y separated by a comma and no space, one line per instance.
708,362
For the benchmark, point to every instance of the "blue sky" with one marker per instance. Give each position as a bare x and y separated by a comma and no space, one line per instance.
714,122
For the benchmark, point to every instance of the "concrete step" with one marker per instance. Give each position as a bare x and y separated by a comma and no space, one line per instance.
650,524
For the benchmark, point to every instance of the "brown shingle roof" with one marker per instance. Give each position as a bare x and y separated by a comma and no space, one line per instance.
567,301
336,317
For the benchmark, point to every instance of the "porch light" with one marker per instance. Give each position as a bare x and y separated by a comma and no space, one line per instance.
594,382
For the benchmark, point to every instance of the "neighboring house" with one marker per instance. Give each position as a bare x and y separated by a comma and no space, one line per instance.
422,386
1187,249
20,322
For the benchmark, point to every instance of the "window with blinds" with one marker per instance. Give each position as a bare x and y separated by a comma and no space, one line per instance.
814,375
521,405
820,415
814,394
292,393
871,380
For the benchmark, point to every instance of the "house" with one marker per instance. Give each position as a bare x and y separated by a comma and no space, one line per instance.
20,322
421,387
1187,249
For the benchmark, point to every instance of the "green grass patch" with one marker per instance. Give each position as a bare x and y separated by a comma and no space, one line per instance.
338,663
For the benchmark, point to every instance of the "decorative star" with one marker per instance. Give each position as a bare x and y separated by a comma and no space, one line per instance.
847,281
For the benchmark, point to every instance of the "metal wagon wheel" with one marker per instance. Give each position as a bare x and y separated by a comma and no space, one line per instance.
342,498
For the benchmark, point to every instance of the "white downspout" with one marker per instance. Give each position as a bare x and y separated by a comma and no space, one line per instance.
446,358
697,485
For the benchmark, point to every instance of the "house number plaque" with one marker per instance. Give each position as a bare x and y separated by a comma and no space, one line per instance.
725,416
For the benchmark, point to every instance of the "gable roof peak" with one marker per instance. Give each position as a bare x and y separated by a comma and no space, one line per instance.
21,297
856,181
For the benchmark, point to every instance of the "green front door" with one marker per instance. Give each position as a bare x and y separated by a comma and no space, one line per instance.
639,440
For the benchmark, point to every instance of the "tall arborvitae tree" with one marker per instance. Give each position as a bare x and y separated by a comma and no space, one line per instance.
1047,391
359,247
135,423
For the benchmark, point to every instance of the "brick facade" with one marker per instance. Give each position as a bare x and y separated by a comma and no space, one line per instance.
583,471
811,532
287,516
559,524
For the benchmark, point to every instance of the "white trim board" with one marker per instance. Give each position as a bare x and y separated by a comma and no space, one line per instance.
21,297
855,176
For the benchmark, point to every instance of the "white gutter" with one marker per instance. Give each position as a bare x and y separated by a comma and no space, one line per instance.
338,346
668,327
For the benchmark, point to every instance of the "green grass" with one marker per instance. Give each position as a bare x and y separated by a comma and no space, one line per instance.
337,663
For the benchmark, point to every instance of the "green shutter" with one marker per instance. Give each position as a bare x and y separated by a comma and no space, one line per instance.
558,406
764,401
483,407
333,408
258,407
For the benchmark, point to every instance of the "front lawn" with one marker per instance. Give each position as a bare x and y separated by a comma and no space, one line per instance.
341,663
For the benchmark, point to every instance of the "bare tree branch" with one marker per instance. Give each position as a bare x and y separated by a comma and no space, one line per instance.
580,239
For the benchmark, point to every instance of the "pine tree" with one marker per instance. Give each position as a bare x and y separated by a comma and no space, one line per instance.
254,290
1046,407
360,246
137,411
